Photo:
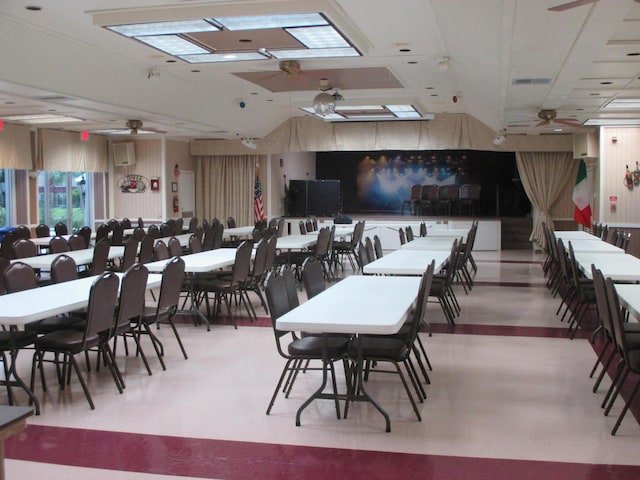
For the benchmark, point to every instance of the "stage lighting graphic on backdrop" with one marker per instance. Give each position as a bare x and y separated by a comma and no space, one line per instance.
378,182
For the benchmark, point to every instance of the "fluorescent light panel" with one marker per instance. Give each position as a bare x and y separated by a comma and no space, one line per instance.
612,122
164,28
314,53
318,37
172,44
271,21
37,119
222,57
623,104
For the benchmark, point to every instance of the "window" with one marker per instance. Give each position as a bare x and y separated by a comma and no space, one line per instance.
64,197
5,197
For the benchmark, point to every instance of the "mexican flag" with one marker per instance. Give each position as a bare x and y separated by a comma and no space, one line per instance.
581,197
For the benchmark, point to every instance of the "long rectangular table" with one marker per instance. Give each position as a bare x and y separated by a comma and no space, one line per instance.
430,243
81,257
356,305
407,262
621,268
21,308
572,235
437,231
198,263
629,295
589,246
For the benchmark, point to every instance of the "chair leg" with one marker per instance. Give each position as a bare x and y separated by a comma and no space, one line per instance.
83,383
175,332
285,370
625,408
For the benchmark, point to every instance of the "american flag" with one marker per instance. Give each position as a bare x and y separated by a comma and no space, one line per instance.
258,207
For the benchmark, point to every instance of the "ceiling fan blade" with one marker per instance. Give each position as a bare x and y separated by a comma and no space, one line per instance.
543,122
567,122
570,5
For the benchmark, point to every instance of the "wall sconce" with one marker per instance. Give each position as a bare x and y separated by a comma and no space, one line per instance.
500,138
176,171
614,139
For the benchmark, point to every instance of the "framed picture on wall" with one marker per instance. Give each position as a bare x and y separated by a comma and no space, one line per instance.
174,186
155,184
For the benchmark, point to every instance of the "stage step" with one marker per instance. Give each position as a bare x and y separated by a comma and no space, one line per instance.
515,233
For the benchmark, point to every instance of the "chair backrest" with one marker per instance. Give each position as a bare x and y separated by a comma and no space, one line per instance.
429,192
208,239
179,225
260,260
85,232
309,225
112,222
24,248
278,302
140,222
322,243
422,300
76,242
193,224
368,246
218,232
61,228
198,232
117,234
43,230
416,192
602,302
58,245
172,278
261,224
175,249
363,256
303,227
270,260
102,232
161,251
132,293
290,285
4,264
63,269
409,232
146,250
377,246
242,263
126,223
153,231
423,229
18,277
312,277
100,257
401,234
195,245
22,231
130,253
617,319
139,233
256,235
231,222
102,304
280,227
6,249
166,230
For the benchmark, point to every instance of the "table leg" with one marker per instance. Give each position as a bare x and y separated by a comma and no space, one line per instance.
359,392
13,374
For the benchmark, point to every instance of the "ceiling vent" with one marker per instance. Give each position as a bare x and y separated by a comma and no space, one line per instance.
531,81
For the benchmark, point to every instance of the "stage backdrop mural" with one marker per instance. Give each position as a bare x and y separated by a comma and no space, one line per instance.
378,182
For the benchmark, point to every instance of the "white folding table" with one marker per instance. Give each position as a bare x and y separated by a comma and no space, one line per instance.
589,246
573,235
357,305
430,243
21,308
81,257
448,232
621,268
237,232
629,295
407,262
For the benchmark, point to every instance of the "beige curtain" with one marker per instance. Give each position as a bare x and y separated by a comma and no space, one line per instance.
544,175
225,186
15,147
66,152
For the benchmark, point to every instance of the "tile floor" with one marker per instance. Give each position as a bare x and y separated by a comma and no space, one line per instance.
510,397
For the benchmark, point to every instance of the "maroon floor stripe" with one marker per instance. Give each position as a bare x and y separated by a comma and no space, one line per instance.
230,460
506,330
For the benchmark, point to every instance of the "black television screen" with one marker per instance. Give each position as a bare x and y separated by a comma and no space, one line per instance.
314,197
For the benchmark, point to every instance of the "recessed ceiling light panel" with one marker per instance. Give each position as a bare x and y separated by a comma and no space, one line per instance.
164,28
271,21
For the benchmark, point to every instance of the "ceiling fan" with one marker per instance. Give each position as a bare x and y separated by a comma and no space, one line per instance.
135,127
548,116
570,5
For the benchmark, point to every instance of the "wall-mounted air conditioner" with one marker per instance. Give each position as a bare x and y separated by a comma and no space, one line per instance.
124,154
